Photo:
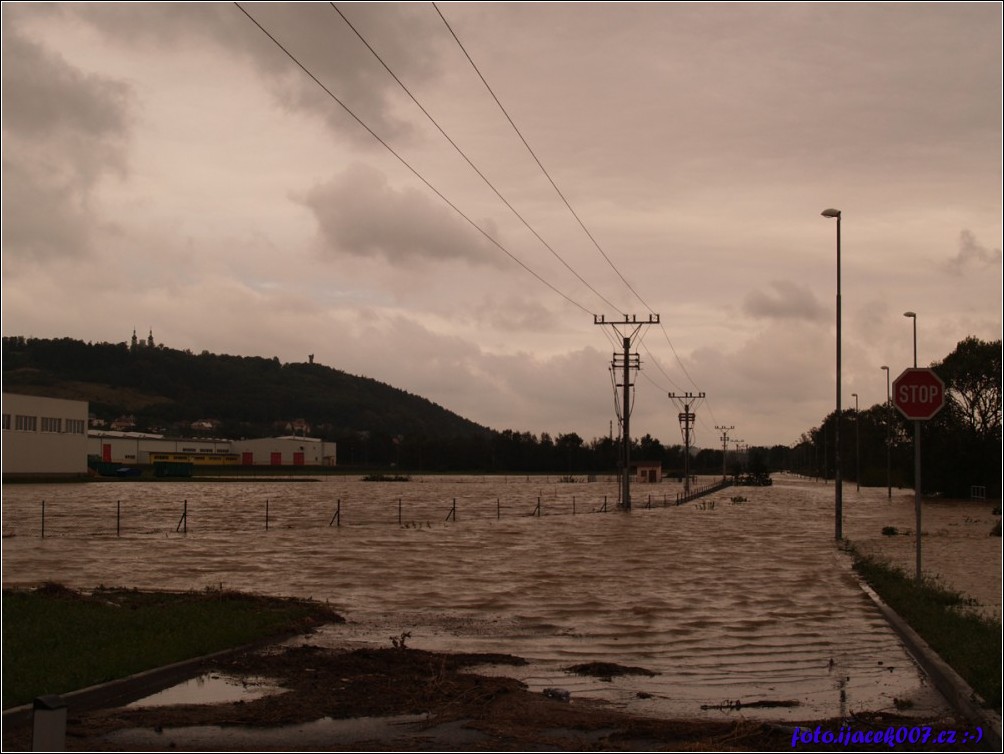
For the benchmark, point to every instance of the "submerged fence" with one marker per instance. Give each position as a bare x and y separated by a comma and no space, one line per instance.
151,517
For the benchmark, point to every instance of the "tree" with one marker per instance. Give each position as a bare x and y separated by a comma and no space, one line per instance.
962,443
972,376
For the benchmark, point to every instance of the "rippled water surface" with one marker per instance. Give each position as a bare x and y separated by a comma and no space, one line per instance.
724,600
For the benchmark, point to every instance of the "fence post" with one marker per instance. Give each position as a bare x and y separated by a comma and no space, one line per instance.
338,514
399,511
266,514
538,508
118,518
183,519
43,519
573,505
498,509
453,512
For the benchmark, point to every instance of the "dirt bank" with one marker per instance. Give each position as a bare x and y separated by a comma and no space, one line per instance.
429,701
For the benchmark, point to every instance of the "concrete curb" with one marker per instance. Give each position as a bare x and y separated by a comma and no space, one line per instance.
952,686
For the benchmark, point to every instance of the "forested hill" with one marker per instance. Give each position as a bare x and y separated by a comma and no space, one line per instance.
167,390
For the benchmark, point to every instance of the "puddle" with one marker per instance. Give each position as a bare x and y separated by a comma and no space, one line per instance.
211,688
410,730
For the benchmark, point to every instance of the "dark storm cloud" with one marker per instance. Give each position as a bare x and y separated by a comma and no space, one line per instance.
786,300
63,131
360,214
315,34
972,254
47,95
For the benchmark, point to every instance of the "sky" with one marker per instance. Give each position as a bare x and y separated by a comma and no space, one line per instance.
171,167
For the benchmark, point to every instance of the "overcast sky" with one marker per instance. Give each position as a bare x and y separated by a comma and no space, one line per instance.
169,167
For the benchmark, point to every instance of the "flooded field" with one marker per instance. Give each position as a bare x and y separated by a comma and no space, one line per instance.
740,596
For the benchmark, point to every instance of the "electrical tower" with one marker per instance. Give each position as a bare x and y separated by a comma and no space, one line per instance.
725,445
626,328
686,419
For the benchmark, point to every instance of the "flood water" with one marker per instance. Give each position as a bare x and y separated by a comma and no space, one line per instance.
724,600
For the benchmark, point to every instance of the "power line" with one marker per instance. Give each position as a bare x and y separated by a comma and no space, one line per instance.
564,199
537,159
468,160
408,165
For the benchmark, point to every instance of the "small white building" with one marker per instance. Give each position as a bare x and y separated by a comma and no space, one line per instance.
44,435
647,472
291,450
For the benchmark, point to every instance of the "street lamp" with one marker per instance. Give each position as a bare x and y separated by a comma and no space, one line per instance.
838,502
916,451
888,438
857,443
913,316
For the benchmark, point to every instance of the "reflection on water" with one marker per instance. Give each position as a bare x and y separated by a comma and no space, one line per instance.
726,601
210,688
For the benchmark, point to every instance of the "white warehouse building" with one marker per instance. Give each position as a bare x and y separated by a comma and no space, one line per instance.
142,448
44,435
137,448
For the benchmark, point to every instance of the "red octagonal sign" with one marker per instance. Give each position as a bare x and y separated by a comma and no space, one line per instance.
918,393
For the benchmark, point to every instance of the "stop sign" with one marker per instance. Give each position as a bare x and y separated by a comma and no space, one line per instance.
918,393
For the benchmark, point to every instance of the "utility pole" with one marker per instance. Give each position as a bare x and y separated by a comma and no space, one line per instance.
725,445
626,328
739,456
686,418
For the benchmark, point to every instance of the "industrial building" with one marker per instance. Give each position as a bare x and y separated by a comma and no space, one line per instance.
141,448
44,436
285,451
137,448
49,436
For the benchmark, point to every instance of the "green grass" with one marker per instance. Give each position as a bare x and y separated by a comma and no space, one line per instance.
969,643
56,640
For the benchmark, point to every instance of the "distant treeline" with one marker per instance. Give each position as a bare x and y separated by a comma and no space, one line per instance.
377,426
961,445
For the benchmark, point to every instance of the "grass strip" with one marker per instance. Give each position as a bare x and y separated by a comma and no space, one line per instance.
56,640
969,643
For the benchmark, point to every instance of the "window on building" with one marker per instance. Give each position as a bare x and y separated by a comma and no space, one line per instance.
26,423
6,421
74,426
50,424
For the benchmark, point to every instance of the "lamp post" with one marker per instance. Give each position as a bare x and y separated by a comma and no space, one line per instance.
857,443
838,502
888,437
913,316
916,451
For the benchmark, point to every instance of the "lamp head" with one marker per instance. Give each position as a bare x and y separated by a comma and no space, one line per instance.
830,213
910,314
885,368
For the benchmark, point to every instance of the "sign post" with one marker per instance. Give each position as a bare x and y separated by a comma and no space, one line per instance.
918,394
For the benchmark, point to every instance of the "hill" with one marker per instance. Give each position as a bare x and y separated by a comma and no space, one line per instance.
167,390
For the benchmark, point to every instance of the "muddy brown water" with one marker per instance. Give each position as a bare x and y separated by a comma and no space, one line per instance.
724,600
